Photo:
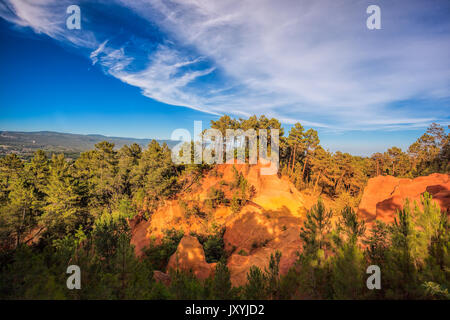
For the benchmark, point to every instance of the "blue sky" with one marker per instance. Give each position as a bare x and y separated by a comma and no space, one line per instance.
144,68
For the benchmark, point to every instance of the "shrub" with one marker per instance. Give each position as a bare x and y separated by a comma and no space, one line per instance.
193,210
260,244
242,252
186,286
256,287
216,197
158,255
221,284
235,204
213,245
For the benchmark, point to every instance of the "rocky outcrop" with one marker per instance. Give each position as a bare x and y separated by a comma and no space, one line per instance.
255,235
191,257
384,195
139,235
269,222
271,193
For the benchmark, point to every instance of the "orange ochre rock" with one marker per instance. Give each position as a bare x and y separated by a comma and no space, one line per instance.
269,222
191,257
384,195
254,236
272,193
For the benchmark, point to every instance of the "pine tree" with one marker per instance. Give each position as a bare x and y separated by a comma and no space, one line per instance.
311,142
400,272
10,167
256,286
221,286
39,168
320,164
377,243
62,211
19,215
127,163
316,228
295,141
273,275
155,177
348,272
352,227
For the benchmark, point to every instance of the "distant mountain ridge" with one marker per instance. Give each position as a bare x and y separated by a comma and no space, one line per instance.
25,143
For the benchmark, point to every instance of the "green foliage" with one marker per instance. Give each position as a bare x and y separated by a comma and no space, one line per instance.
158,254
235,204
264,284
256,288
316,229
155,177
213,244
347,273
242,252
192,210
352,227
61,211
377,243
221,284
313,263
430,153
435,291
216,197
19,215
185,286
107,234
273,275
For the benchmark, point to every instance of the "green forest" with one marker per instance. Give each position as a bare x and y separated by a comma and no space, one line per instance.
56,212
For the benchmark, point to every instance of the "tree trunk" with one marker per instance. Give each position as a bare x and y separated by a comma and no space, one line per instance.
18,239
378,172
293,160
317,181
338,181
19,231
304,165
289,163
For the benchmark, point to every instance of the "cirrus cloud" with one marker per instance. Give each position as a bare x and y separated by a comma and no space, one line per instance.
312,61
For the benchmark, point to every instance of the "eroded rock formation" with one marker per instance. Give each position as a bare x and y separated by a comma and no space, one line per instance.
271,221
255,235
384,195
191,257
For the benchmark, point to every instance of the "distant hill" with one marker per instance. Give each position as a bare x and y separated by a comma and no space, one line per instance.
25,143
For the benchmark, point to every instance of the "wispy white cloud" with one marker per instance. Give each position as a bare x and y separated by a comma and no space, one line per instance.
46,17
164,79
312,61
97,51
316,58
